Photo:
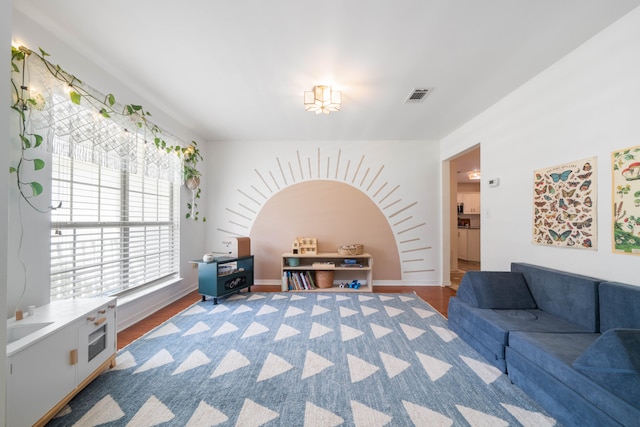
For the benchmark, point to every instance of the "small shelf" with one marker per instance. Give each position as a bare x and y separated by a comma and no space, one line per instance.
215,284
324,267
343,274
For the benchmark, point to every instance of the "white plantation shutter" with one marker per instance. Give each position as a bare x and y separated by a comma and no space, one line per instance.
115,230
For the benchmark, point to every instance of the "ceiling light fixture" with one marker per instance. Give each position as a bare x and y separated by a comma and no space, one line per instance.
474,175
322,100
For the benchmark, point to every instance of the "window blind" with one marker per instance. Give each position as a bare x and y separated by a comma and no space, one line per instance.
114,231
118,226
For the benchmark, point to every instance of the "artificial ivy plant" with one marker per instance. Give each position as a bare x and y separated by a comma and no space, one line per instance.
107,107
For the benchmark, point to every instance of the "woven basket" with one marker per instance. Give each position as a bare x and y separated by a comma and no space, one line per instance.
324,278
355,249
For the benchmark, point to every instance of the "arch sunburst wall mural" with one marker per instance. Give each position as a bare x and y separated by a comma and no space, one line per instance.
409,235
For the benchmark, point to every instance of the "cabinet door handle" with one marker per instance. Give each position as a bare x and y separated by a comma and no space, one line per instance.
73,357
91,318
100,321
112,306
103,311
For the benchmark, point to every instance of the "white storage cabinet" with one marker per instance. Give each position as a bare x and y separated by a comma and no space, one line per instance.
46,368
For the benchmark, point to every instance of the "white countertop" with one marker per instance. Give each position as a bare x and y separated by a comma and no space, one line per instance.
58,314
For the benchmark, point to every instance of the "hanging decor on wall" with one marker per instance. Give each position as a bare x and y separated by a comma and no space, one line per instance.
626,200
88,126
564,211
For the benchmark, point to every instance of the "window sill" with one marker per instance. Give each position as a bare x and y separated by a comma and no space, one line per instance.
132,296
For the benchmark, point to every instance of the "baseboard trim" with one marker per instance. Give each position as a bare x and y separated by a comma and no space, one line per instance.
271,282
133,309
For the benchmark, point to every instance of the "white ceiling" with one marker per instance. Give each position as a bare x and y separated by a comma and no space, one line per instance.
237,70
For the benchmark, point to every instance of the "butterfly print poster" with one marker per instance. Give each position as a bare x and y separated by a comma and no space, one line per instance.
564,211
626,200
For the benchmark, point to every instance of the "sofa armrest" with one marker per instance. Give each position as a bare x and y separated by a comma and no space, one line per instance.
495,289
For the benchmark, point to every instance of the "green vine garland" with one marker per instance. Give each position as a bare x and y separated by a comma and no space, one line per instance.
106,107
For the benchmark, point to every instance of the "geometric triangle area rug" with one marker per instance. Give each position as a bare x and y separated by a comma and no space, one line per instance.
303,359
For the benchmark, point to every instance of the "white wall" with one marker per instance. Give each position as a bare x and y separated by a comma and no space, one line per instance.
5,38
247,174
587,104
36,237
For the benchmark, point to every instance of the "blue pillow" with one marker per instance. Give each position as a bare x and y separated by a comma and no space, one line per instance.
495,289
613,362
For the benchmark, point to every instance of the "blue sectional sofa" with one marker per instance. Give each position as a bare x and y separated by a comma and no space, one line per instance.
571,342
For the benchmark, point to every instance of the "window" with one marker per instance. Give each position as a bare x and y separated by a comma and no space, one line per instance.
116,230
118,225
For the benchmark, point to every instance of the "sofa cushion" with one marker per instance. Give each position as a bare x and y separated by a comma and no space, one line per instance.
555,355
555,352
572,297
475,339
518,314
468,318
497,324
495,289
569,405
613,361
619,306
492,327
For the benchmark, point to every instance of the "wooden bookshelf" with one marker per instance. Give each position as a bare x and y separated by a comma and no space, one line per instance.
361,271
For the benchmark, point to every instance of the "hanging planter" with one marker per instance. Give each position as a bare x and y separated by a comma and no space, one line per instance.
191,175
193,183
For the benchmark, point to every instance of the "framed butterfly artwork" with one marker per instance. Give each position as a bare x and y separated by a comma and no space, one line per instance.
564,205
626,200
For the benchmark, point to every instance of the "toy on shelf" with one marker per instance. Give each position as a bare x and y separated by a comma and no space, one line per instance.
305,246
353,285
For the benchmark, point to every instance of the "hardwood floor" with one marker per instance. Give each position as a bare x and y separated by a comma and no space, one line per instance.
463,267
436,296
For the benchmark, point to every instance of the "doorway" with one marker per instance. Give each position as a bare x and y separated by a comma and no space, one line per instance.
465,221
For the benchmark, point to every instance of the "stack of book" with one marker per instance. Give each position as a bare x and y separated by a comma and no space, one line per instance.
300,280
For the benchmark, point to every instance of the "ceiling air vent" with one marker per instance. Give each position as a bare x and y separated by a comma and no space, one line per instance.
417,95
